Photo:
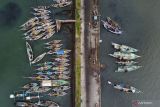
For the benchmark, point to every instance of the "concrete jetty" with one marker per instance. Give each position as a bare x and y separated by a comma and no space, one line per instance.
90,72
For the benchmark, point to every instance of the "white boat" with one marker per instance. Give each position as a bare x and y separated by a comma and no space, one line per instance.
124,56
124,88
29,52
112,26
128,68
40,57
126,62
124,48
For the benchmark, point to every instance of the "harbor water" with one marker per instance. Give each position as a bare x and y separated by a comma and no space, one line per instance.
14,64
140,23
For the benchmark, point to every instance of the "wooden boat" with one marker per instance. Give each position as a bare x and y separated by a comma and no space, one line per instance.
54,46
61,59
47,103
61,88
40,57
112,26
27,86
41,10
38,77
44,68
53,83
24,104
24,96
59,52
52,73
59,68
53,42
29,52
38,89
60,76
45,64
57,93
30,21
61,3
49,35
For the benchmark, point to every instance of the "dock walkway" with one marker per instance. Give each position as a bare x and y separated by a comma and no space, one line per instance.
90,72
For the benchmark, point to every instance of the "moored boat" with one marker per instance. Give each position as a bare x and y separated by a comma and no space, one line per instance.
123,87
126,62
124,56
53,42
124,48
40,57
53,83
112,26
57,93
128,68
29,52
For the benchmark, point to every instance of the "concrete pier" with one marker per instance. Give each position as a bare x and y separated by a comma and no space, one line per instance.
90,74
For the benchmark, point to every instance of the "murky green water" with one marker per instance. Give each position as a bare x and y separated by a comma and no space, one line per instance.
13,59
140,22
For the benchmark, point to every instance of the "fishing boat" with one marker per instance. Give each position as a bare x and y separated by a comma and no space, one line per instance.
124,56
30,21
60,68
30,25
44,68
33,33
45,64
29,52
57,93
53,42
124,88
54,46
61,3
61,59
24,96
53,83
41,10
128,68
61,88
112,26
52,73
60,76
47,103
59,52
126,62
38,89
27,86
49,35
124,48
38,77
24,104
40,57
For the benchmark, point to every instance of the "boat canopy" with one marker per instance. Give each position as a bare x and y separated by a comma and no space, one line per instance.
46,83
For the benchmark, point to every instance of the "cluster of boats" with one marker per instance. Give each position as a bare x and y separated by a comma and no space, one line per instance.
50,78
125,56
40,26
